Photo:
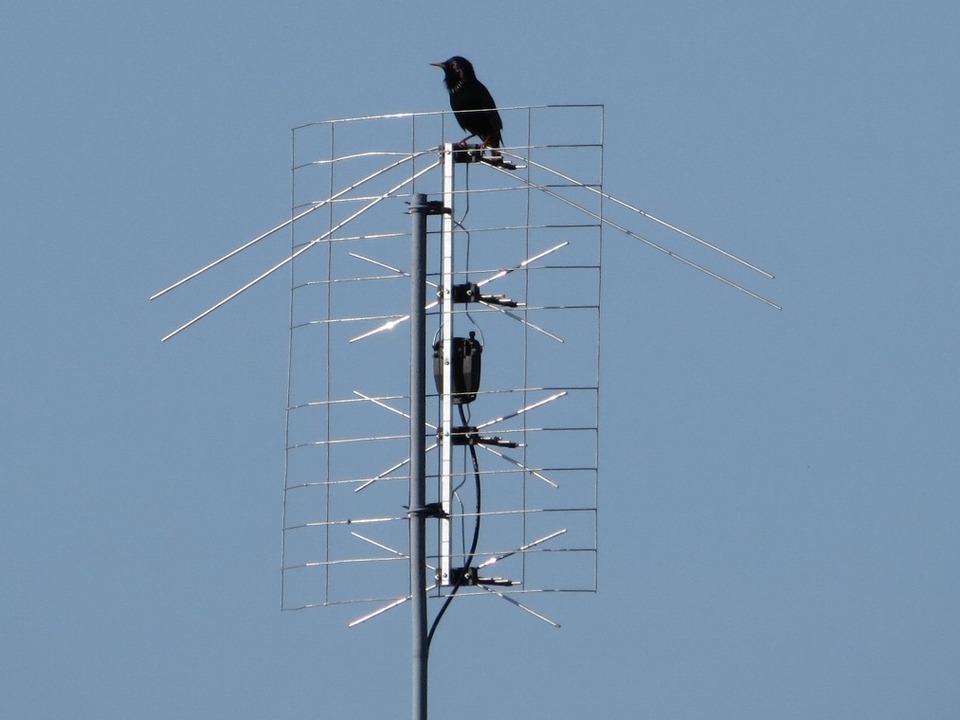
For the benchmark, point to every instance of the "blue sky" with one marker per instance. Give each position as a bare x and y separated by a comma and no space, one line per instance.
778,491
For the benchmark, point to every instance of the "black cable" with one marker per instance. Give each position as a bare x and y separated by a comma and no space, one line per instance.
467,196
476,475
473,544
460,224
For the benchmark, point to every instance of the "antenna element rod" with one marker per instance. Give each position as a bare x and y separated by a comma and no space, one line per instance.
647,215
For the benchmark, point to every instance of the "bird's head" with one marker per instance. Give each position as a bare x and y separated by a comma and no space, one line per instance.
456,71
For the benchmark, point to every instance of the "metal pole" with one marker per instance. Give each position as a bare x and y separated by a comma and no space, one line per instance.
418,546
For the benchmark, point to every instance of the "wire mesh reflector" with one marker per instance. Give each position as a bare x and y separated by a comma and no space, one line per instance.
529,241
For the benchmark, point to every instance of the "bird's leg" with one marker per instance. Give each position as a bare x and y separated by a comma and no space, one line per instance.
463,143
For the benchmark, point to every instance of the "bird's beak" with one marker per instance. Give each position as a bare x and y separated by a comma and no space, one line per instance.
439,65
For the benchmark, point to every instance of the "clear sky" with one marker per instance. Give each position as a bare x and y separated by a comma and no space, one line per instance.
779,490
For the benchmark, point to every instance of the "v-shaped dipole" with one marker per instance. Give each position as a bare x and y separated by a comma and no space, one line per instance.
491,301
299,251
630,233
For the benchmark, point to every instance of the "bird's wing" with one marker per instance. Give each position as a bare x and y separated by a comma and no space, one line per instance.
485,100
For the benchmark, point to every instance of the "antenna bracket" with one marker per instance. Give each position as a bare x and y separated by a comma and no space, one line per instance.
431,207
467,435
430,510
466,293
463,576
472,153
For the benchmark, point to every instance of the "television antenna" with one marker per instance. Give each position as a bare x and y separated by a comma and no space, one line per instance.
512,275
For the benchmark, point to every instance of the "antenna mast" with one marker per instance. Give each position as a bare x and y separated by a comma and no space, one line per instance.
419,209
357,488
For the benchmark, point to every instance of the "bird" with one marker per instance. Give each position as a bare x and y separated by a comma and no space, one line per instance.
472,103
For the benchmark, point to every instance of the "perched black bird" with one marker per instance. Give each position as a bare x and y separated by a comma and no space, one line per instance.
469,94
